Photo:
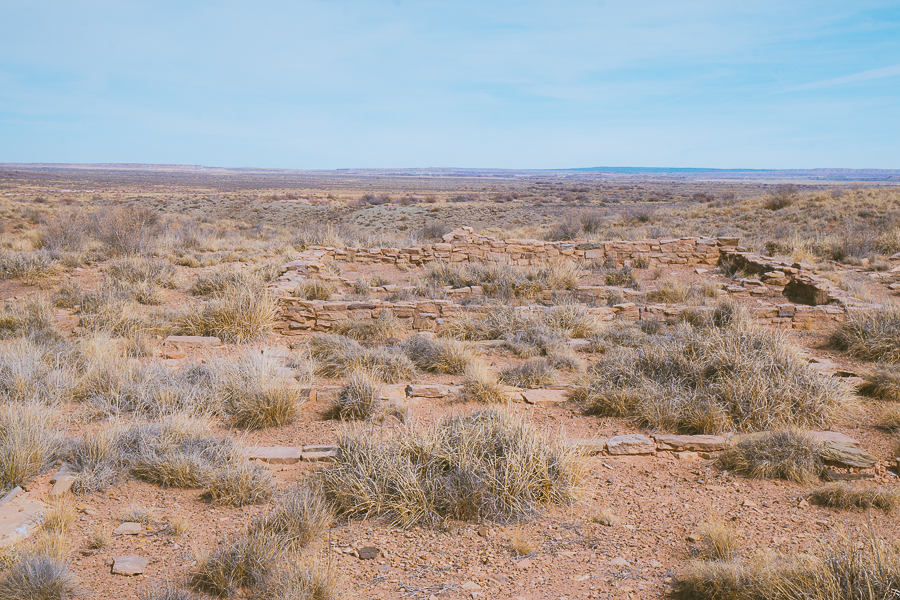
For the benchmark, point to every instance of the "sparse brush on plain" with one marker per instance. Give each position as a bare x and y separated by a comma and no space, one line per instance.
34,576
842,495
244,562
337,356
713,379
177,525
98,540
619,276
69,295
30,318
299,517
243,313
241,484
28,444
138,514
315,289
521,544
383,327
535,373
486,465
883,383
34,372
312,580
212,284
480,385
606,517
359,398
28,265
154,271
870,334
504,280
439,355
108,311
125,230
526,332
788,454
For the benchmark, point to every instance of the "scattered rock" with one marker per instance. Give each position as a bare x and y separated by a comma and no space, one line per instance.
748,503
276,455
846,455
11,495
427,391
128,528
705,443
589,446
470,586
368,553
19,518
544,396
320,453
324,395
687,455
634,443
193,340
131,564
484,532
618,562
524,563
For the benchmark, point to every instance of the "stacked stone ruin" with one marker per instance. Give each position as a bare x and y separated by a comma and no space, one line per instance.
809,302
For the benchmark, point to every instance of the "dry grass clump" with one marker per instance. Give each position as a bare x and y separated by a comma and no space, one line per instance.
718,541
34,372
166,592
535,373
299,517
847,570
29,265
385,326
486,465
28,444
842,495
117,313
337,356
480,385
242,313
573,320
35,576
526,332
438,355
788,454
359,398
216,283
312,581
883,383
503,280
253,395
737,377
870,334
315,289
154,271
174,452
616,333
673,291
890,417
30,318
245,562
521,544
125,230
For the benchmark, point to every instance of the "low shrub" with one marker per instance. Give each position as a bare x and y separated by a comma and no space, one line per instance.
535,373
883,383
359,398
437,355
385,326
298,518
338,356
480,385
29,444
788,454
842,495
315,289
243,313
154,271
244,562
30,318
29,265
253,395
483,466
34,576
870,335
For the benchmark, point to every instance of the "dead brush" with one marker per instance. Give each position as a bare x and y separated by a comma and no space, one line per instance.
243,313
298,518
870,335
521,544
166,592
535,373
359,398
30,318
718,541
573,320
35,576
34,372
385,326
672,291
486,465
480,385
125,230
890,418
154,271
216,283
337,356
28,265
310,580
788,454
737,377
437,355
244,562
240,484
883,383
252,395
29,444
315,289
842,495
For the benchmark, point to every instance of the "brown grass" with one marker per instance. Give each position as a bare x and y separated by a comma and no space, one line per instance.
787,454
480,385
843,496
437,355
385,326
870,334
883,383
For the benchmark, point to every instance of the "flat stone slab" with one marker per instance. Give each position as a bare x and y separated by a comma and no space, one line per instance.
276,455
131,564
193,340
19,519
427,391
320,453
544,396
11,495
634,443
327,395
832,436
128,528
847,455
694,443
393,391
589,446
62,485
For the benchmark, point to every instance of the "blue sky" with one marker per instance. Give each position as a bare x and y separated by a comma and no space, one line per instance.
403,83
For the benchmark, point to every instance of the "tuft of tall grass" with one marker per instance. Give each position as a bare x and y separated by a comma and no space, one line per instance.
315,289
337,356
870,334
480,385
535,373
788,454
883,383
28,265
243,313
30,318
35,576
29,444
360,396
299,517
842,495
437,355
385,326
487,465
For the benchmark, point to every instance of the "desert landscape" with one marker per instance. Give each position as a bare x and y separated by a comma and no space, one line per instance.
448,383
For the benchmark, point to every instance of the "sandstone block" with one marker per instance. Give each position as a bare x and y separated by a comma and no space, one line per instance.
634,443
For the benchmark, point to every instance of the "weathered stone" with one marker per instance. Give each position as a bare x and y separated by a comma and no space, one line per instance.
193,340
128,528
11,495
427,391
634,443
320,453
846,455
324,395
706,443
131,564
61,486
805,292
832,436
368,553
276,455
394,391
544,396
19,518
589,446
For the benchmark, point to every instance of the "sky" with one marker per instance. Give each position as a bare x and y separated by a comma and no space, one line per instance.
457,83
